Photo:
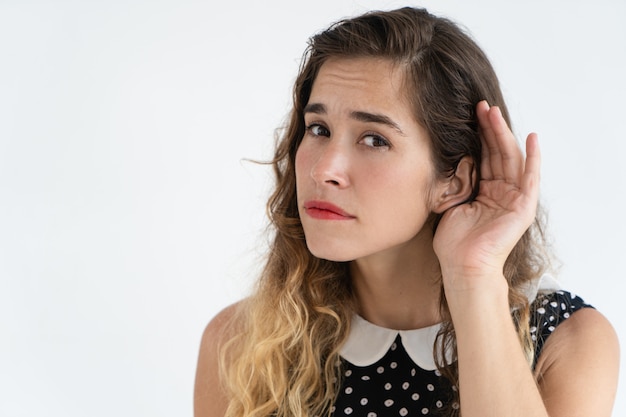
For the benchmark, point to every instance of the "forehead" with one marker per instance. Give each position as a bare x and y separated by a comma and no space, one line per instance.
364,80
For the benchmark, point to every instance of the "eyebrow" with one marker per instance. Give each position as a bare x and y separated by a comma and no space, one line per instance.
361,116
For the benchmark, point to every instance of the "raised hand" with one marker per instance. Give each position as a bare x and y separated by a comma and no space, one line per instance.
473,240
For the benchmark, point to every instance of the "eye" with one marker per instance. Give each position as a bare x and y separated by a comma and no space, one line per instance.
316,129
375,141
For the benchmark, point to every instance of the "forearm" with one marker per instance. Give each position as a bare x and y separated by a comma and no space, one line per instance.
494,376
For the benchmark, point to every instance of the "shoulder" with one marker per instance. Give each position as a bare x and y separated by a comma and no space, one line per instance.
577,368
548,311
209,397
222,325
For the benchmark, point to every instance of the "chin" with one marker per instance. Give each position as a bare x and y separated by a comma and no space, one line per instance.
330,253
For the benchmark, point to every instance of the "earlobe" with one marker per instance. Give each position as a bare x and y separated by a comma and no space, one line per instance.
456,189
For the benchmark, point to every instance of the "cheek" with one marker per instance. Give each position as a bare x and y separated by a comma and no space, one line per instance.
302,163
299,161
410,189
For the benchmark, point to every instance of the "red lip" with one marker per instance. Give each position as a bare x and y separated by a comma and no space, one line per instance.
326,211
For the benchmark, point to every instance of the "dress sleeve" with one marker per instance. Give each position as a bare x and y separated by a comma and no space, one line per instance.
547,312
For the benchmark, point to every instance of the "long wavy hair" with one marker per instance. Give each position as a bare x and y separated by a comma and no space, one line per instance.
284,358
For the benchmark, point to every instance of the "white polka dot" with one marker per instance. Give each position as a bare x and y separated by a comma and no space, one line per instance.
388,403
394,346
347,411
348,390
541,310
332,409
439,404
554,304
363,401
430,387
551,328
566,315
551,318
533,329
424,410
387,386
413,372
415,396
455,406
380,369
393,365
404,411
405,386
372,415
348,373
365,378
563,306
454,388
437,372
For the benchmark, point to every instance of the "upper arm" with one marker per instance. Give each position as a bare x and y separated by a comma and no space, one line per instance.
209,396
578,369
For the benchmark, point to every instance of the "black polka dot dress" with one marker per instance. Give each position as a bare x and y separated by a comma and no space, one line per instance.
392,373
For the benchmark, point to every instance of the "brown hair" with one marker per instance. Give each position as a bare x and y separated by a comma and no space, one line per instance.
285,363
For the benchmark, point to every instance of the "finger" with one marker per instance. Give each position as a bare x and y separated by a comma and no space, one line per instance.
532,169
506,154
485,131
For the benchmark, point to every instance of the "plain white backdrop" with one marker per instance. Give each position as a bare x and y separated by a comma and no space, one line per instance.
128,217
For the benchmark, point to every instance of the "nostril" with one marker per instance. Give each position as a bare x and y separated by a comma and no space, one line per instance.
333,182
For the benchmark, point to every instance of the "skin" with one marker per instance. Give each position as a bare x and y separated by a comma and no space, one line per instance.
383,177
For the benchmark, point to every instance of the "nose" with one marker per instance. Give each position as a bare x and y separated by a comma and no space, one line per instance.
331,166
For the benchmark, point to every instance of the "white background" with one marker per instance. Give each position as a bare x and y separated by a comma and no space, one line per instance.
128,218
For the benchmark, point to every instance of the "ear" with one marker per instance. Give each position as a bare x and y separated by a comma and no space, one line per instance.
457,189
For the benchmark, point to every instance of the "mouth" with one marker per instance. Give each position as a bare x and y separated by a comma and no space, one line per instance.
326,211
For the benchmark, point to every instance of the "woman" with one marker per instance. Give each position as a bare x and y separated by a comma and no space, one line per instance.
406,275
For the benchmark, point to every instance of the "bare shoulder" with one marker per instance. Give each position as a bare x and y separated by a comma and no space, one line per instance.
221,326
578,369
209,398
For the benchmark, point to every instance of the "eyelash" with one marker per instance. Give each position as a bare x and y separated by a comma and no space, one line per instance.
377,138
312,127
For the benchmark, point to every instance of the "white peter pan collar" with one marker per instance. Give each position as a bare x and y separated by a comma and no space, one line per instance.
367,343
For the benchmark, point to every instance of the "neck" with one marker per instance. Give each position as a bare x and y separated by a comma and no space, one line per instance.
399,288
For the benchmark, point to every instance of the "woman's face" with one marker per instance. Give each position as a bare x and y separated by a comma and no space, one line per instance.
364,173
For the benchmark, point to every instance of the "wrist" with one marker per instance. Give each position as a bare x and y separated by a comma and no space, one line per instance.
466,288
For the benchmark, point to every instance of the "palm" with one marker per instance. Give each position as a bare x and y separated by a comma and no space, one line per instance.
480,235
